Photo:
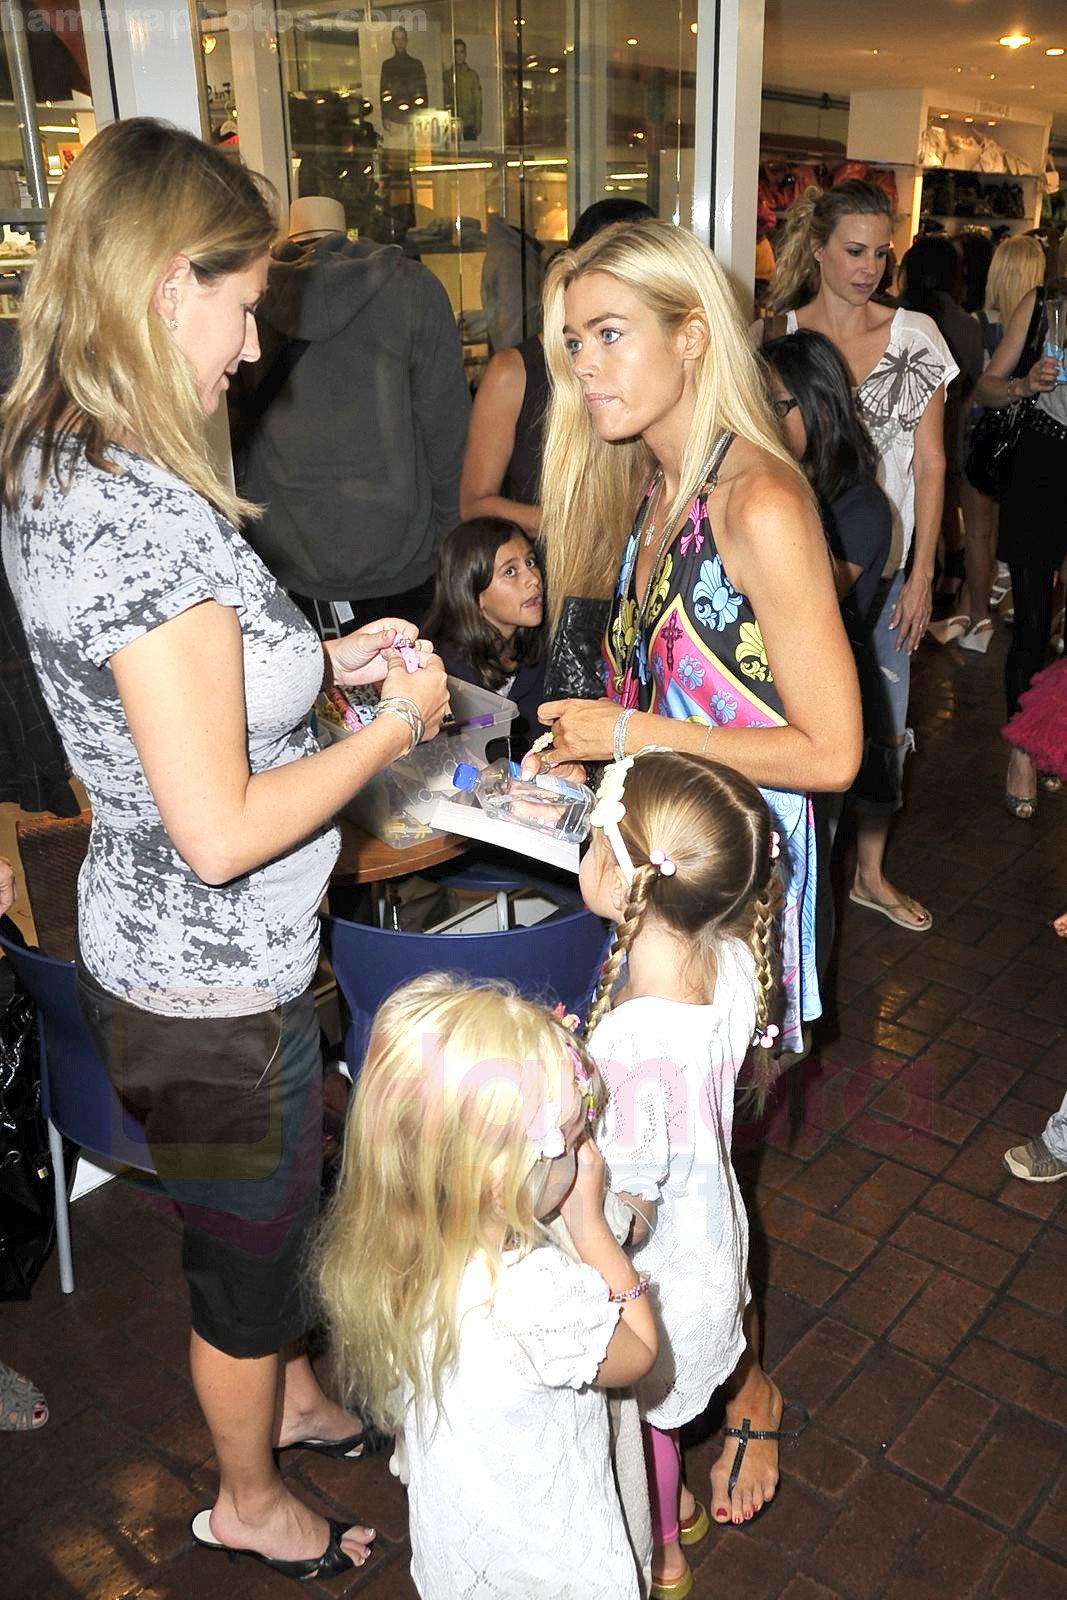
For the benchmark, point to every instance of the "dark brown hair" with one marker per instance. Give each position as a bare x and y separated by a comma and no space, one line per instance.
465,569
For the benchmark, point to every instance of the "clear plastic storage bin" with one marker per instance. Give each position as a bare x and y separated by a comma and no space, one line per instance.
396,805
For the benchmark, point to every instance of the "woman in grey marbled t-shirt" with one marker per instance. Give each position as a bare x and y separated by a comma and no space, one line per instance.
180,679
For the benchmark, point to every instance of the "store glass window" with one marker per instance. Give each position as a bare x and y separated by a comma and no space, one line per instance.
49,60
473,132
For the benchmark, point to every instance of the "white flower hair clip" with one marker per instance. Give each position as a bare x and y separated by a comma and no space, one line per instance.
776,845
549,1143
609,811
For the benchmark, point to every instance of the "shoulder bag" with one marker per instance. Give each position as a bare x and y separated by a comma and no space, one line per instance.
991,455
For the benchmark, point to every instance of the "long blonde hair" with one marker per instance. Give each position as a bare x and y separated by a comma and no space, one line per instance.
810,221
590,486
98,366
438,1164
716,828
1018,265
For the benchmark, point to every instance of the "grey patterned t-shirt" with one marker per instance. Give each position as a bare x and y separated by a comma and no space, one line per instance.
92,569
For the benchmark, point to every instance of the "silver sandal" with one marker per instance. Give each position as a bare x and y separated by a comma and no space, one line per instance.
19,1403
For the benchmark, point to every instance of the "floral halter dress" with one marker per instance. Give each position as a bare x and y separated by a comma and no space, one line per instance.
694,652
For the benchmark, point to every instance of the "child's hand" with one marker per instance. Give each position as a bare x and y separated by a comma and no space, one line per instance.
583,1209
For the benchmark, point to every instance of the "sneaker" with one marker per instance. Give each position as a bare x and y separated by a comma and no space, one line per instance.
1035,1162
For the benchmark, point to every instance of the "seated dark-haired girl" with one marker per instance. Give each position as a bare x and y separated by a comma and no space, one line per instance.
487,617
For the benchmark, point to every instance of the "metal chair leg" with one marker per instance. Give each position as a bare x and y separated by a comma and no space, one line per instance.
59,1184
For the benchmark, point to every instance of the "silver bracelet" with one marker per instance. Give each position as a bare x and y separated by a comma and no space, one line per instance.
413,721
619,742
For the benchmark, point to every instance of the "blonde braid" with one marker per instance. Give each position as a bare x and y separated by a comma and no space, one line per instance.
626,932
761,942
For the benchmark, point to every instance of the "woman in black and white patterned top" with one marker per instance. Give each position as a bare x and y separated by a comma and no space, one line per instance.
180,678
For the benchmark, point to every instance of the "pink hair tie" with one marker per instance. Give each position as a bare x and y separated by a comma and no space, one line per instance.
776,840
767,1037
666,866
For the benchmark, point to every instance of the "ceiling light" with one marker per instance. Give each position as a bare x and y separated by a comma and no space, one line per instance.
1014,41
943,115
1057,51
552,70
631,41
692,27
990,124
872,52
968,119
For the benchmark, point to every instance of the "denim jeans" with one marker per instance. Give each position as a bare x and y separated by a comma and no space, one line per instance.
885,677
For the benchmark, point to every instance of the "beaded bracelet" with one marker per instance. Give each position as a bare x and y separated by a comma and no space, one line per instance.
619,1297
619,741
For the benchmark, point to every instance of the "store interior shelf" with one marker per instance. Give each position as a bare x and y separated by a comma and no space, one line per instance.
974,172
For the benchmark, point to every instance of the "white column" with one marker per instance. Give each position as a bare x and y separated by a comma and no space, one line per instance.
729,91
587,109
94,30
257,91
153,53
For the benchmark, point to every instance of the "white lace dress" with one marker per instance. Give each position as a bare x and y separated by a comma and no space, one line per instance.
510,1485
671,1069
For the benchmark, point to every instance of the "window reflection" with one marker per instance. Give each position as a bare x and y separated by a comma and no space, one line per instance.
472,132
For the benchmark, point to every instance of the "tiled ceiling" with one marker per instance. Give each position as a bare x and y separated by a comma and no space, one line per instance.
947,46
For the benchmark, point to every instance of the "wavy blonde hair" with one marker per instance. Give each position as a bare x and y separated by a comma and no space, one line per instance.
1018,265
810,221
438,1164
98,366
716,828
589,486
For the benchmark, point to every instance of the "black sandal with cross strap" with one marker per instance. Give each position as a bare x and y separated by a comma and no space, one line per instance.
746,1432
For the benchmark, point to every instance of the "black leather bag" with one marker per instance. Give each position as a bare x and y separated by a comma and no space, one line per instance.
27,1200
991,454
575,665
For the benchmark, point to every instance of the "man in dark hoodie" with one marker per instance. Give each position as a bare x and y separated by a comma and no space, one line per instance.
351,426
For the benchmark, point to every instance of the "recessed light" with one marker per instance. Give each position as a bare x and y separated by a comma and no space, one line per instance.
692,27
943,115
992,75
1014,41
1057,51
553,69
968,119
990,124
631,41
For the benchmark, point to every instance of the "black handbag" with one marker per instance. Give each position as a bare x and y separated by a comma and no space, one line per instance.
575,669
27,1199
991,453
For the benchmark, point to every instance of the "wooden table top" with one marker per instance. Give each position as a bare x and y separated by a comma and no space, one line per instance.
365,859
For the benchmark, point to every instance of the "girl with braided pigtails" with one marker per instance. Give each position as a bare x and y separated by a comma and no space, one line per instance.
685,861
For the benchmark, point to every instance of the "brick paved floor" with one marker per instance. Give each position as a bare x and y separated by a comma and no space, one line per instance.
914,1294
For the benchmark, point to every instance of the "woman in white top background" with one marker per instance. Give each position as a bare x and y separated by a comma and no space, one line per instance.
829,265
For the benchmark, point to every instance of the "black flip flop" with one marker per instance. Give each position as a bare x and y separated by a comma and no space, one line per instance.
370,1441
332,1561
746,1432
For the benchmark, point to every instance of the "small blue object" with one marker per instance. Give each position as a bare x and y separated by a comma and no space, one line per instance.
465,776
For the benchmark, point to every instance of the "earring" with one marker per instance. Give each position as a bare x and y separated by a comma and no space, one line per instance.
173,324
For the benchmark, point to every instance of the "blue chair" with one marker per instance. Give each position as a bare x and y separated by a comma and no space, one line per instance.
552,961
76,1094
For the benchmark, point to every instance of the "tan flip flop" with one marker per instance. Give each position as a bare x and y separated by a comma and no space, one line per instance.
892,911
